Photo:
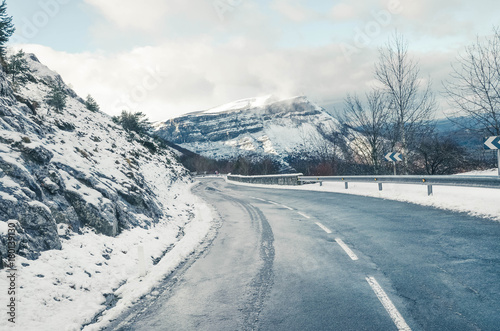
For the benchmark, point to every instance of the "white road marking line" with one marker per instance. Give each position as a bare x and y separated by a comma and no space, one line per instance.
260,199
280,205
388,305
303,215
349,252
327,230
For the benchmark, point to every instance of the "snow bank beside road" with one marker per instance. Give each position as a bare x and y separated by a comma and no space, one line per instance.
65,289
483,202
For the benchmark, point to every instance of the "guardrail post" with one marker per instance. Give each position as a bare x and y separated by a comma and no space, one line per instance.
498,161
429,190
380,186
346,185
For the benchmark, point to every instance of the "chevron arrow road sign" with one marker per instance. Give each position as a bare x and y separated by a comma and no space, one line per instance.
492,142
394,157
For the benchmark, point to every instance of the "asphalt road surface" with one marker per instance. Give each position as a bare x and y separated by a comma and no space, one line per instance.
301,260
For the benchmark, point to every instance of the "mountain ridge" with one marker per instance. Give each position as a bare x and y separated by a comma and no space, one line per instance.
255,127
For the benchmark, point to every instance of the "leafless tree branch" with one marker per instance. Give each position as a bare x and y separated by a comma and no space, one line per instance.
412,101
474,85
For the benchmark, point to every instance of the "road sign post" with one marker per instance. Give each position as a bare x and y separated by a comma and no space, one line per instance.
491,143
393,157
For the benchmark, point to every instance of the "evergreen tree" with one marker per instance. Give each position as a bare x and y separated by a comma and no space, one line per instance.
136,122
6,27
91,104
57,97
17,68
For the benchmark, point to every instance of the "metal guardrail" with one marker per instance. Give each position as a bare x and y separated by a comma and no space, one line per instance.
429,181
468,181
289,179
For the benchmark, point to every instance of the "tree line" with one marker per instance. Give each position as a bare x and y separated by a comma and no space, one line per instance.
398,114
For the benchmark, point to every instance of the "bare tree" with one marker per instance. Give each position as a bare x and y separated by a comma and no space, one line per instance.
440,156
322,144
369,122
411,99
474,88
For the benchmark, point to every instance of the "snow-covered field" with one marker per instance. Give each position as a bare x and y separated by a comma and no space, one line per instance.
65,289
483,202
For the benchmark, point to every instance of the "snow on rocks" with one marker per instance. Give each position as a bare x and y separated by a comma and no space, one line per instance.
66,289
85,194
258,127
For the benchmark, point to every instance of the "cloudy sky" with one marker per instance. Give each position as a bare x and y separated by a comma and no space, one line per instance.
169,57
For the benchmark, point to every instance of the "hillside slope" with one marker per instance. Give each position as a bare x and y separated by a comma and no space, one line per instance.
83,196
75,168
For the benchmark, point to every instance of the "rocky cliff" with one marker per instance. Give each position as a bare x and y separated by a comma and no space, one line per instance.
63,172
260,127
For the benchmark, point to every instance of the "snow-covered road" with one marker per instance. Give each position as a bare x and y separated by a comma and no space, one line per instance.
300,260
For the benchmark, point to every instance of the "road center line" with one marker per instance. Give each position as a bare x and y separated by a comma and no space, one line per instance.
388,305
260,199
303,215
327,230
349,252
280,205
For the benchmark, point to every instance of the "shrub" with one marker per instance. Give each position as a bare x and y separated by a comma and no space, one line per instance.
136,122
57,97
17,68
91,104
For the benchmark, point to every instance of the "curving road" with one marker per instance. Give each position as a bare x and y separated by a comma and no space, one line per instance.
301,260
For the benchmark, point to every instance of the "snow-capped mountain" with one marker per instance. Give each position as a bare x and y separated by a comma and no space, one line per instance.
259,127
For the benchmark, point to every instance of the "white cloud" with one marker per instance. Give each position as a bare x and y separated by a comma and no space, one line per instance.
143,15
152,15
294,10
175,78
178,77
343,12
215,61
437,19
